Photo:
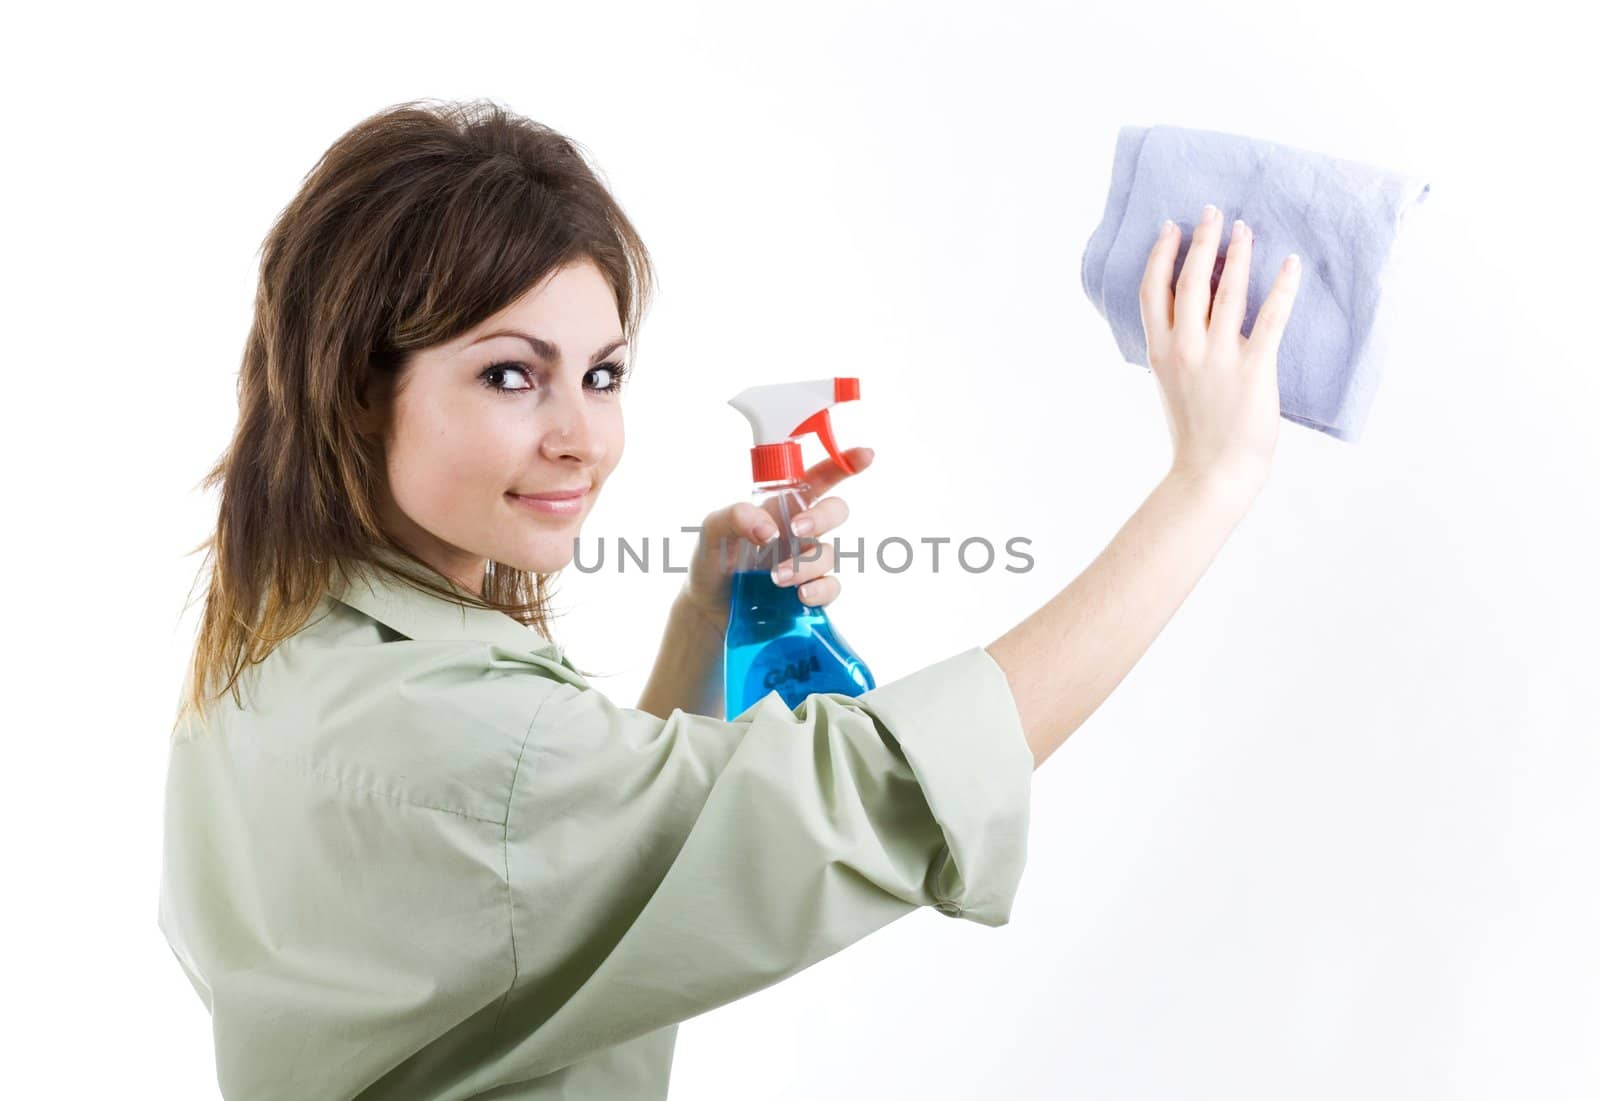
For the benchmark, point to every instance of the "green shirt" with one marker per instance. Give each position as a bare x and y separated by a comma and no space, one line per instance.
427,860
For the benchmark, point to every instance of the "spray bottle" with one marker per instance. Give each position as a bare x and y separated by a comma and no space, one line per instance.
776,643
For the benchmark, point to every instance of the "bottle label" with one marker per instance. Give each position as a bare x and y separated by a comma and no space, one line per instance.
787,665
798,665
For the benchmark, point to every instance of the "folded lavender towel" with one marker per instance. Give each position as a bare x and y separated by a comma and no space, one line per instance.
1341,216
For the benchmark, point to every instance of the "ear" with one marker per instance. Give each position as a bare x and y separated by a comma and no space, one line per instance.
372,402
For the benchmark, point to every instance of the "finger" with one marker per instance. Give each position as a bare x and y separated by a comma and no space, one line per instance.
814,561
1192,304
827,474
1267,332
747,520
824,590
824,515
1227,309
1155,291
724,531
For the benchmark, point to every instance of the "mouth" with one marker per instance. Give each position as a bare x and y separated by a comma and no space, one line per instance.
563,502
554,494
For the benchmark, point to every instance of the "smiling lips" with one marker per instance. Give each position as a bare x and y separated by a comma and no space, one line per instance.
561,502
554,495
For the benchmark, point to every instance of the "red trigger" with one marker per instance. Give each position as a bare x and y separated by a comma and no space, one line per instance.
819,423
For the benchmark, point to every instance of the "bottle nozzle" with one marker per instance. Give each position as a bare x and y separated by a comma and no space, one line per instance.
780,412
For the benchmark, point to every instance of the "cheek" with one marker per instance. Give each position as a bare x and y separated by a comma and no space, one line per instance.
443,460
614,443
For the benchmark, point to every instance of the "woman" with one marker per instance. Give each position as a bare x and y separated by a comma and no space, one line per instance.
409,852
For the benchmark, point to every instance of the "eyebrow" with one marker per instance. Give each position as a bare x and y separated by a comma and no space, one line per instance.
546,350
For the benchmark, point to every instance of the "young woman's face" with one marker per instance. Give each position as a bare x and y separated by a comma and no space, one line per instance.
488,420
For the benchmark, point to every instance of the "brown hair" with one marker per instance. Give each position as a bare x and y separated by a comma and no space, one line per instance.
417,224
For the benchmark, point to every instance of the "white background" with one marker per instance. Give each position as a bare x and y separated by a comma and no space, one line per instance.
1333,837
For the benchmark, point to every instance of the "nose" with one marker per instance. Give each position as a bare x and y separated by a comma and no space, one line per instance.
569,433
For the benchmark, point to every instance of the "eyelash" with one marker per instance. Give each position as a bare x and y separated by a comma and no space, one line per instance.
619,372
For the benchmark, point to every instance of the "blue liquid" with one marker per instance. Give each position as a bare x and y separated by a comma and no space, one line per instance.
776,643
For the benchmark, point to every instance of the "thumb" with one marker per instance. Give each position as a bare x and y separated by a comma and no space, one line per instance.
741,520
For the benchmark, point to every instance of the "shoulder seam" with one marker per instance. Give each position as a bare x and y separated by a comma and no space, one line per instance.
505,853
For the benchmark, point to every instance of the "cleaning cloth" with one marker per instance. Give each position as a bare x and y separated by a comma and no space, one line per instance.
1340,216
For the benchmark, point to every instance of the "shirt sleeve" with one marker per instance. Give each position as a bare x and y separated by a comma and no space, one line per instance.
661,867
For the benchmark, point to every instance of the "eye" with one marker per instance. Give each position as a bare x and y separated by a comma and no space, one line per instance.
490,377
616,372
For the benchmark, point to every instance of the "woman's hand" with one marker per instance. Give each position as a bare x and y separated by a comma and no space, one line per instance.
1219,389
709,585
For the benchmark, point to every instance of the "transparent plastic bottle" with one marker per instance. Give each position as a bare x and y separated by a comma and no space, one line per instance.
775,642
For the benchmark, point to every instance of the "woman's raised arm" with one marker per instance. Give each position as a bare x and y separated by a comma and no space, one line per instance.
1220,393
1064,659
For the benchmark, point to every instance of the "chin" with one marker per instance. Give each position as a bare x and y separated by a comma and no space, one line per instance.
546,559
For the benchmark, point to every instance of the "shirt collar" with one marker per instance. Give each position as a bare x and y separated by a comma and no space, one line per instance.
423,616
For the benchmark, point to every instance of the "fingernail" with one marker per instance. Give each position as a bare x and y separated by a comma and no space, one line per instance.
801,526
766,533
782,574
1211,212
1166,227
1293,263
